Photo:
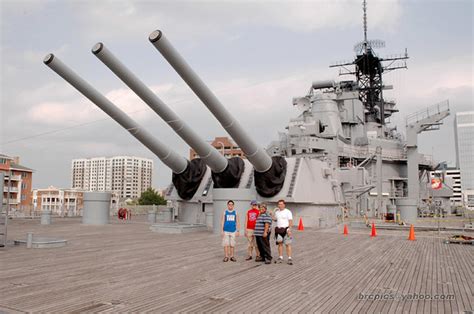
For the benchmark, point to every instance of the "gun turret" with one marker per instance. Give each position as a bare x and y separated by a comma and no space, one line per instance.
186,175
269,172
224,175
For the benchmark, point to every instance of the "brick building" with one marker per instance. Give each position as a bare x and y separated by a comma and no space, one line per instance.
59,201
17,184
225,146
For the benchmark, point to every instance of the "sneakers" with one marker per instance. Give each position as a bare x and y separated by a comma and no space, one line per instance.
279,260
248,258
233,259
268,261
290,261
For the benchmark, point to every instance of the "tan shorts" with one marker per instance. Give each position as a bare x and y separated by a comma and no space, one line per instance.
251,238
228,239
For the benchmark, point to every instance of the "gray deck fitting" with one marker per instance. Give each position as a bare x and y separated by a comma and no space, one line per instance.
43,243
175,228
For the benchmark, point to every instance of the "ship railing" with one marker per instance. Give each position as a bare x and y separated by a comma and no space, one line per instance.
428,112
364,152
426,159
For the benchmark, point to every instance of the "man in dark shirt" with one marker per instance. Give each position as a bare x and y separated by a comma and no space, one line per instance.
262,234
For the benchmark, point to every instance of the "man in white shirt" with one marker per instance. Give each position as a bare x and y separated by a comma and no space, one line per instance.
284,221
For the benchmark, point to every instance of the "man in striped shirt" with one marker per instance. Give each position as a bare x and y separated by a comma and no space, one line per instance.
262,234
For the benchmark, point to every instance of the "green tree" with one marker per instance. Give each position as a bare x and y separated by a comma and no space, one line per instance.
151,197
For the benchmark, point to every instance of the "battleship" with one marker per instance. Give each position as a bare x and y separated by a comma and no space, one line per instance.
340,156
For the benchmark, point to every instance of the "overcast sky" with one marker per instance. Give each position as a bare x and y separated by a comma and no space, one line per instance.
255,55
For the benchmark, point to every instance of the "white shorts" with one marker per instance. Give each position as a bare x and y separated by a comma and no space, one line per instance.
228,239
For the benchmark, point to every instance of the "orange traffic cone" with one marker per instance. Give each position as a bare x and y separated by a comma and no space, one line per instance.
411,235
346,232
300,225
374,231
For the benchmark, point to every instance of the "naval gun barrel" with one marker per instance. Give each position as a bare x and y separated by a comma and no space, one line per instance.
209,154
186,175
255,154
170,158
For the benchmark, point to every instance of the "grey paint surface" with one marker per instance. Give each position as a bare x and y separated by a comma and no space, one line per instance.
46,217
406,208
96,208
241,198
257,155
209,154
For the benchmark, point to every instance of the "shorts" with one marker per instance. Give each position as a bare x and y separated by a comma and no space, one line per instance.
228,239
281,236
251,238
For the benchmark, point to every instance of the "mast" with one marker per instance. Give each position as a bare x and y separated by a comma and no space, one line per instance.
368,69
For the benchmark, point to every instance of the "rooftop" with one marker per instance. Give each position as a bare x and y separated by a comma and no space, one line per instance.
127,268
20,167
5,157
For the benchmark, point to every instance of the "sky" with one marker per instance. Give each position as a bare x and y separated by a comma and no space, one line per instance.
255,55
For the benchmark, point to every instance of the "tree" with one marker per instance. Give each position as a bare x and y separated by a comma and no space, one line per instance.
151,197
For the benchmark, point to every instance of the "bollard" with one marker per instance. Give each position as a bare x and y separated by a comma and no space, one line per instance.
165,215
29,240
96,208
209,220
46,217
152,215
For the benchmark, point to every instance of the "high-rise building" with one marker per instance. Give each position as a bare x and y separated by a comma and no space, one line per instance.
127,176
17,184
464,141
455,174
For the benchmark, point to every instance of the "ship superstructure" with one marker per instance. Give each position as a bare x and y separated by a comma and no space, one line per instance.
347,124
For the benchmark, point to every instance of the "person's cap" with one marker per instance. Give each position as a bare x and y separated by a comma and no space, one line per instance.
254,202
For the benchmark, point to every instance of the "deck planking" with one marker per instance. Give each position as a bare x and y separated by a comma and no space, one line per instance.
127,268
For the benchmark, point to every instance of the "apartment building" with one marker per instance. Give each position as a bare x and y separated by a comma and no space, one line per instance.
464,142
18,181
126,176
58,201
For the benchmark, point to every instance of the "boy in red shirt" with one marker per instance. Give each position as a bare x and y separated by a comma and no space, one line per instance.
250,220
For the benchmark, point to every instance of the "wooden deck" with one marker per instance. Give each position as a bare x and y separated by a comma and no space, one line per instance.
127,268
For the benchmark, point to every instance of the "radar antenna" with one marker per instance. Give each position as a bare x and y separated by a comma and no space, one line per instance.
368,69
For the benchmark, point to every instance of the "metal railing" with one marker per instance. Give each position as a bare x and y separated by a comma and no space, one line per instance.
428,112
364,152
12,189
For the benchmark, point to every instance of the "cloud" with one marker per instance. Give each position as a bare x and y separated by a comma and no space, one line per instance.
125,19
238,47
78,110
62,114
35,56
